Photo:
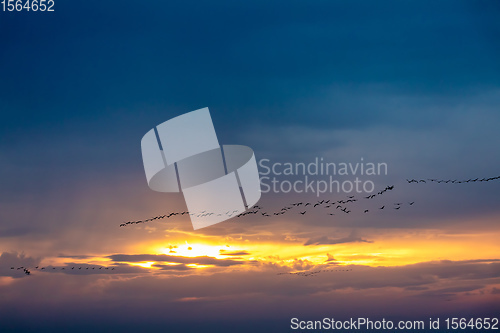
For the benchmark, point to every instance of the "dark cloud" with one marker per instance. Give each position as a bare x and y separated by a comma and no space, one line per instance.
80,256
234,253
181,267
421,288
17,231
416,288
445,292
471,261
352,238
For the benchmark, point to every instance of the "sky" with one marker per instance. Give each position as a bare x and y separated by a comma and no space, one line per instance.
414,85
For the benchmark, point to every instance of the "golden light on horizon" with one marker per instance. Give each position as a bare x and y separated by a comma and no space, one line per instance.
198,266
385,248
192,250
148,264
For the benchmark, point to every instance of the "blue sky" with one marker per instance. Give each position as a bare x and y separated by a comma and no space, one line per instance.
91,62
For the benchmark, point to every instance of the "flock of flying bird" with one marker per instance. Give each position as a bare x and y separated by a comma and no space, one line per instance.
27,271
455,181
340,205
